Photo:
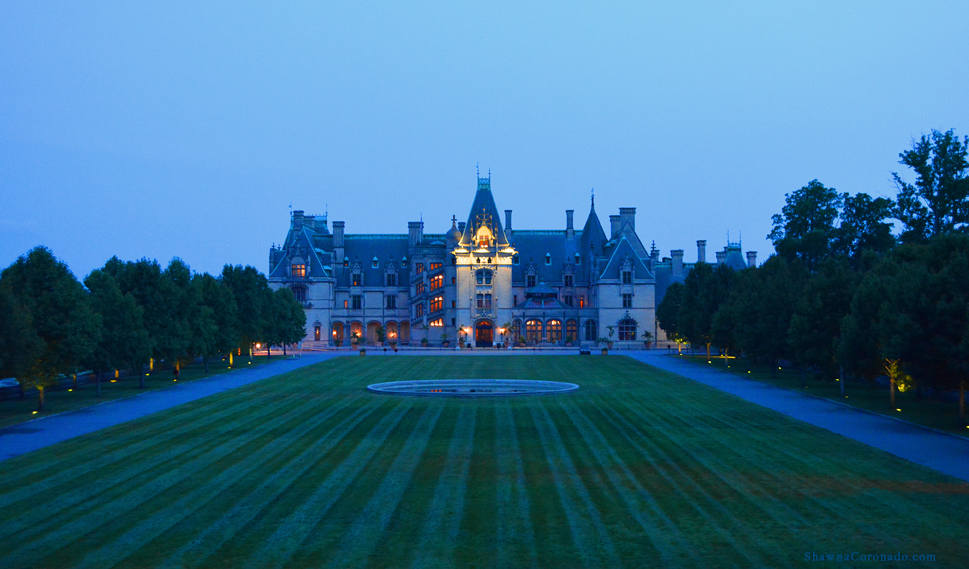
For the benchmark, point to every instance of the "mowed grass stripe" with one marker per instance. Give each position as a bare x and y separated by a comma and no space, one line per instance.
139,442
363,536
590,536
226,519
182,514
515,542
102,491
684,494
439,533
108,520
630,495
477,538
290,531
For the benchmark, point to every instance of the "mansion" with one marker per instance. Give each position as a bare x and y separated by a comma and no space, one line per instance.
481,282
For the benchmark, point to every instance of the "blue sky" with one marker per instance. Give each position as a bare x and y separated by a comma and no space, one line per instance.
189,128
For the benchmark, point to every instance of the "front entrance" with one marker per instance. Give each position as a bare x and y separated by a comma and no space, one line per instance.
484,334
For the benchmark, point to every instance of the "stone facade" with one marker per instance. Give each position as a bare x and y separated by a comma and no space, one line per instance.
481,281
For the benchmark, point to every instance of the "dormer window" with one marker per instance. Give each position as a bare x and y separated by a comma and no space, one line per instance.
403,262
346,262
357,279
375,263
484,237
299,270
548,258
578,259
627,277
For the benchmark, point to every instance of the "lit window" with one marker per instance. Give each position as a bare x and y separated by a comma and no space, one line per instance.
419,268
581,301
627,300
454,304
569,281
357,301
554,330
357,279
437,303
437,282
436,323
419,288
627,330
346,303
627,277
419,310
391,301
346,262
533,331
403,262
435,266
299,271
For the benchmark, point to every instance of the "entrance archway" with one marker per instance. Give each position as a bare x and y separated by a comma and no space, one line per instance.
484,334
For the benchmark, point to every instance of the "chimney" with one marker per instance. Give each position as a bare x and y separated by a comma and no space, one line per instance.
297,219
507,220
721,257
613,225
701,251
414,233
569,229
461,226
677,255
338,233
751,259
627,215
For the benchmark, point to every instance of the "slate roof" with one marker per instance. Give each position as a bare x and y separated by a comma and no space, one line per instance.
361,250
484,205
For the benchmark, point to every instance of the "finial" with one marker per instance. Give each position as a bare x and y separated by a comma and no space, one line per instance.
477,170
489,174
454,221
593,197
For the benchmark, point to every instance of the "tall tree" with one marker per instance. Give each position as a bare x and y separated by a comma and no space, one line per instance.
806,227
251,292
816,321
214,325
938,201
124,340
60,313
287,323
863,227
19,342
667,313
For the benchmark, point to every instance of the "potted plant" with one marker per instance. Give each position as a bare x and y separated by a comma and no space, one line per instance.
381,334
647,338
424,339
354,339
605,344
445,339
612,330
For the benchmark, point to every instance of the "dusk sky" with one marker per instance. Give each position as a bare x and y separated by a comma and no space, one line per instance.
188,129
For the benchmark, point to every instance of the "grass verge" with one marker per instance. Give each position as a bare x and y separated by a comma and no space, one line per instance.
14,411
939,414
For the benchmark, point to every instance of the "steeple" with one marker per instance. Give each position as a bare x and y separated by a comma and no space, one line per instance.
484,213
592,234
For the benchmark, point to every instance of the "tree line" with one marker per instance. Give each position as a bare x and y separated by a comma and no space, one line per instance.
130,313
843,295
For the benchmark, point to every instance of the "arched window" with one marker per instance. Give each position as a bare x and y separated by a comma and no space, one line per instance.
554,332
571,330
517,329
483,277
533,331
591,331
627,330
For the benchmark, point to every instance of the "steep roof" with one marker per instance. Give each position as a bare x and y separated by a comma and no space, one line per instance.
484,212
593,237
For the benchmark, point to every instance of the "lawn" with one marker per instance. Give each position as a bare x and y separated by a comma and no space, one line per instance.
638,468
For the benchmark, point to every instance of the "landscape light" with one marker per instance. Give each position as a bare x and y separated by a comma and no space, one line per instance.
35,412
899,410
70,390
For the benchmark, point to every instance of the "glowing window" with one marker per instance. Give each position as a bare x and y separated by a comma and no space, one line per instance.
571,331
419,288
299,270
533,331
419,268
554,330
437,282
437,303
436,323
627,330
435,266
